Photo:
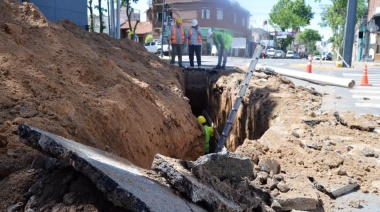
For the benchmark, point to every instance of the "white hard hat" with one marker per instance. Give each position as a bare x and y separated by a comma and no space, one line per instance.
194,22
210,31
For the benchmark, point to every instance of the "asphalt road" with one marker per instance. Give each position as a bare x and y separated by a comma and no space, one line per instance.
359,99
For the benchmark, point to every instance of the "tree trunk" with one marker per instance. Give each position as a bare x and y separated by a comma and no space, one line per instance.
100,16
91,16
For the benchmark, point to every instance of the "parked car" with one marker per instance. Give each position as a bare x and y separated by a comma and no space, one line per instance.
290,54
270,53
328,56
155,47
316,57
279,54
296,56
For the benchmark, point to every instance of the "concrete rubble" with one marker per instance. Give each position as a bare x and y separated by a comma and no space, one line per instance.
123,183
224,181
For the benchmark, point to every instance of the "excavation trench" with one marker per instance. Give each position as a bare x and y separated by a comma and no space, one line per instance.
211,92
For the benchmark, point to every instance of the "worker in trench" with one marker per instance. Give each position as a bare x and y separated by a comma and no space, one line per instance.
209,131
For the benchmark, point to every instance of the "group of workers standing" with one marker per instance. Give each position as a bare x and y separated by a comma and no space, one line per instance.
222,41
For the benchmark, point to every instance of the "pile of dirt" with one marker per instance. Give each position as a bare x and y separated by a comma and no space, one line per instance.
107,93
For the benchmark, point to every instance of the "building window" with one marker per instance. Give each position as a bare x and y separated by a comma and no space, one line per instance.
219,14
205,14
243,21
159,16
234,18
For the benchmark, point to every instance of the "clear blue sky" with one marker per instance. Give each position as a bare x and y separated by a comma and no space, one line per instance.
260,11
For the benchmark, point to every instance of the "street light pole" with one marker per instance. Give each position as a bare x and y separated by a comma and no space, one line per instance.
162,30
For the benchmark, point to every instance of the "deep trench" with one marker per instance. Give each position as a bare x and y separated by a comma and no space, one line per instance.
200,89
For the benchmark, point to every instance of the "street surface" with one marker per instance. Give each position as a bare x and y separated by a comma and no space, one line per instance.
359,99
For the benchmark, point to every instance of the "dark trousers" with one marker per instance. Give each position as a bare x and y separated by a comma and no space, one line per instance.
197,49
177,50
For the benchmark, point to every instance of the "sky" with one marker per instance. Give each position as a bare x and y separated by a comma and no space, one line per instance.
260,11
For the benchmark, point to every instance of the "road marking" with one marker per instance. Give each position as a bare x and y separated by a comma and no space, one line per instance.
362,97
359,75
364,91
367,105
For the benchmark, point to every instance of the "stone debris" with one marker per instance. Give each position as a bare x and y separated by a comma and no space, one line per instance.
302,196
334,186
124,184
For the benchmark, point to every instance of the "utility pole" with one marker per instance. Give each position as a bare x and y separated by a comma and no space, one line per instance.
112,19
118,19
350,32
162,30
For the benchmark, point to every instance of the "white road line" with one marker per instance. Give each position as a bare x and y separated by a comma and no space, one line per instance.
360,87
364,91
360,75
367,105
364,96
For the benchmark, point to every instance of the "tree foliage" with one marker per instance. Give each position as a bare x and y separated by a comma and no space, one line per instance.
129,11
148,38
334,16
309,37
290,14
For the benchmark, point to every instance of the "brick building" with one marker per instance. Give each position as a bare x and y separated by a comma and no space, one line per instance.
222,15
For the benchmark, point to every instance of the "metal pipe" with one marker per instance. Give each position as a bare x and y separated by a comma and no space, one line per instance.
316,78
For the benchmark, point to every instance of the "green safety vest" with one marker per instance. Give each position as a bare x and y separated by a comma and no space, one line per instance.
207,144
227,39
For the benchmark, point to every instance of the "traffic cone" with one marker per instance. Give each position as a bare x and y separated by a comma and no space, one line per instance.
365,77
308,67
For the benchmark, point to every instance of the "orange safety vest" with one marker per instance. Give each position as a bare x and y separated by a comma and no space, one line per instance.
173,38
191,33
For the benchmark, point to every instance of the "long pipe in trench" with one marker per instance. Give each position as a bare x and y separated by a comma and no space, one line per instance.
316,78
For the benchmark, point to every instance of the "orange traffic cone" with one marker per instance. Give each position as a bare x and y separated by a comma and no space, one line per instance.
365,77
308,67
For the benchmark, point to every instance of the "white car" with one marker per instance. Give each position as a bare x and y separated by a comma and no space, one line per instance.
270,53
290,54
155,47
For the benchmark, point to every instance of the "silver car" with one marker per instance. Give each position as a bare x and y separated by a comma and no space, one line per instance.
279,54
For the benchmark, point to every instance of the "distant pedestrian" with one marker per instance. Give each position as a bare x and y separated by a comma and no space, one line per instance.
177,41
195,43
222,41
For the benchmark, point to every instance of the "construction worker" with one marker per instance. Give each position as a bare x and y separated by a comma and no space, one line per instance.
208,131
195,43
222,41
177,41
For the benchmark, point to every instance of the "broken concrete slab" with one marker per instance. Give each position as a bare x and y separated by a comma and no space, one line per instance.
184,181
302,196
124,184
335,186
224,165
355,122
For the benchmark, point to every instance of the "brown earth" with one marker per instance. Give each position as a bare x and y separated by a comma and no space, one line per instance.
114,95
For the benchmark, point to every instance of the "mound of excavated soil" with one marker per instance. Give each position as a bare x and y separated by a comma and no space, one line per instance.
106,93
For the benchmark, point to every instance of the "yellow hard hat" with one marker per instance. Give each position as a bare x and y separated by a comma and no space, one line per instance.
179,20
201,119
211,130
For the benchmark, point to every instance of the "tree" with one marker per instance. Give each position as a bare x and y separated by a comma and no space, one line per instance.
91,15
129,11
309,37
288,14
101,10
148,38
334,16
